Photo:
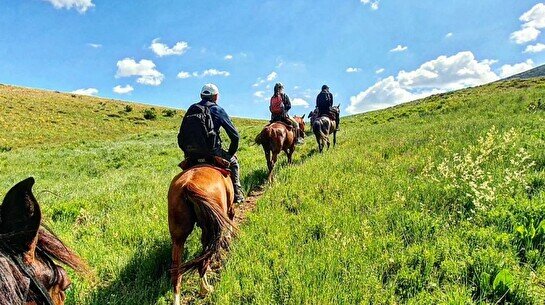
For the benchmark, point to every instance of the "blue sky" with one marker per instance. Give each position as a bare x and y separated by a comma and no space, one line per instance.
394,51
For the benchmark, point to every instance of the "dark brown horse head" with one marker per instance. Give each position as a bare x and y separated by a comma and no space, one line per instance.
32,249
301,121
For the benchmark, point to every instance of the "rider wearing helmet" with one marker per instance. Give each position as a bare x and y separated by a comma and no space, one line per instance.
324,104
279,107
200,139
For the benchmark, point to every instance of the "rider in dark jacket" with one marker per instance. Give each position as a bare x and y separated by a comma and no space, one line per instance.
220,119
324,104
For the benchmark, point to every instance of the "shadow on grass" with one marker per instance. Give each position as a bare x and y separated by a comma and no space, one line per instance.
144,280
254,180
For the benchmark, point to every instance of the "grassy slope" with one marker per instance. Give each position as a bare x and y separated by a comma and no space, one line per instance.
358,224
102,182
33,117
367,223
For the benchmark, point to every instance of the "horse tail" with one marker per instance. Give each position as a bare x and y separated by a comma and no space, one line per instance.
317,129
265,137
214,224
259,138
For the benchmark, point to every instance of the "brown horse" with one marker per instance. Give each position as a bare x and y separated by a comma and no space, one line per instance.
322,127
201,195
277,137
28,274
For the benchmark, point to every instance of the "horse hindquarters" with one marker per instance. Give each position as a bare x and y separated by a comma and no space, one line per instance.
190,204
317,130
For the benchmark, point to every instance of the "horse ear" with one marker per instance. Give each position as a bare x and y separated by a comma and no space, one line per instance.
303,117
339,105
20,217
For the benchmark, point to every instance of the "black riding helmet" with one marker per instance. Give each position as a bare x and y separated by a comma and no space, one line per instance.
277,87
325,87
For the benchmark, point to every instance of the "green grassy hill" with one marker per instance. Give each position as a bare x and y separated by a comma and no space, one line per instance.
435,201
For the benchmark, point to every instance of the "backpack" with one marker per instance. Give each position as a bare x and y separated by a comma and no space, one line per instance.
197,136
277,105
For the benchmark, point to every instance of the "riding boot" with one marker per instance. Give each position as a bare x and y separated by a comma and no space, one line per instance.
235,178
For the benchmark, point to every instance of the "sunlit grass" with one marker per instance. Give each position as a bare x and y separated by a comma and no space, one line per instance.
372,221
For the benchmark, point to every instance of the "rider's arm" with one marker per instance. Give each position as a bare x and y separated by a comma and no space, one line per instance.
230,129
287,102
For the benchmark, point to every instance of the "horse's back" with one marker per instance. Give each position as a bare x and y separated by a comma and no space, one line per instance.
206,180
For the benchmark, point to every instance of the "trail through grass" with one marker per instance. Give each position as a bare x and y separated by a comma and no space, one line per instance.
439,201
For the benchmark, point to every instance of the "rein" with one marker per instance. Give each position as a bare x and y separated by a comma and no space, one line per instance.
35,286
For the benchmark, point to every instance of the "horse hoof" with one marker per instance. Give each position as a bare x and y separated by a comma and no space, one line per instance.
205,290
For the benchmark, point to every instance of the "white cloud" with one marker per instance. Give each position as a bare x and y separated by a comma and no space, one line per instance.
259,94
80,5
537,48
228,57
435,76
374,3
145,69
399,48
379,71
95,45
258,82
299,102
87,91
489,62
272,76
533,20
449,73
535,17
123,89
525,35
209,72
449,35
183,75
352,70
162,49
510,70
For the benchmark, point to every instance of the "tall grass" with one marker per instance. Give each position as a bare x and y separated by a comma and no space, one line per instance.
439,201
434,202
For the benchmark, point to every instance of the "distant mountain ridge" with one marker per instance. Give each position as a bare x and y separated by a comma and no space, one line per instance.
533,73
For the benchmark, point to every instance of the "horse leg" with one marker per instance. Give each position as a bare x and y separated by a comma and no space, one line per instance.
334,138
274,158
180,223
177,251
205,287
268,158
318,141
289,153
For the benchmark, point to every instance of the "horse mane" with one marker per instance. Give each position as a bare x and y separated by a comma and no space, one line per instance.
51,245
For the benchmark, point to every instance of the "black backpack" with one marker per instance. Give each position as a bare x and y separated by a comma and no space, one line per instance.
197,136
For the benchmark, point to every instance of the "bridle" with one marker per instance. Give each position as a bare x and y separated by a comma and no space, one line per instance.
36,287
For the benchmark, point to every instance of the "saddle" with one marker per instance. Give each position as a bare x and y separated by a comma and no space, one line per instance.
288,126
215,162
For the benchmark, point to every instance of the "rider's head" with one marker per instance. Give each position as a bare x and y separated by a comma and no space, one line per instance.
210,92
278,88
325,88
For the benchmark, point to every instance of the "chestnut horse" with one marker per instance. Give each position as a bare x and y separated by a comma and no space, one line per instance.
277,137
201,195
28,274
322,127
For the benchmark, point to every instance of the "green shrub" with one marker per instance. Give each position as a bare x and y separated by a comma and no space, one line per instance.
128,108
169,113
150,114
